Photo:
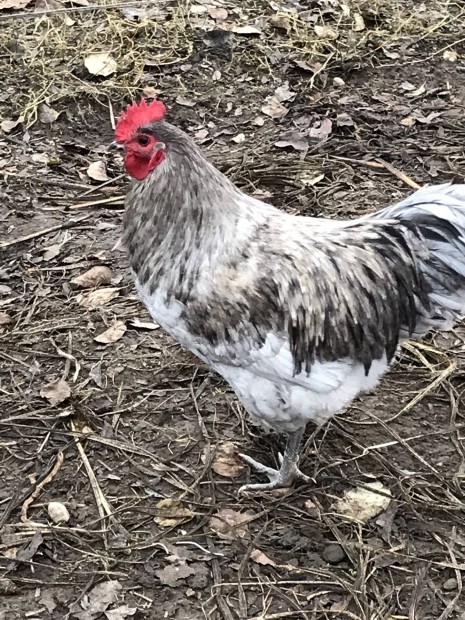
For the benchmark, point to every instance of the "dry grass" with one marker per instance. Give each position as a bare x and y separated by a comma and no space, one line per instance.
46,51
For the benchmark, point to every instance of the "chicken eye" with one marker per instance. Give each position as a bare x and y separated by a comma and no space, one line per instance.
143,140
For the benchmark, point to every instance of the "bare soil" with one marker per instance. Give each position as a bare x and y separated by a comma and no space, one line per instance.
143,418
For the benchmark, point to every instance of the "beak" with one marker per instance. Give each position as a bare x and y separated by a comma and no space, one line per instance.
116,145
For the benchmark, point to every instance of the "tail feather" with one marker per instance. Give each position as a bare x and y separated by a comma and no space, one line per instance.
438,213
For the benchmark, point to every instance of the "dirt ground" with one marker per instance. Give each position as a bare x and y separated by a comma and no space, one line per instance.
325,108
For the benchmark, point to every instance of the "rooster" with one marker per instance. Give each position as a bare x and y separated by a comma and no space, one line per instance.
298,314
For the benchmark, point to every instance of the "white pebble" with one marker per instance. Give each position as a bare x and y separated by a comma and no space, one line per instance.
58,512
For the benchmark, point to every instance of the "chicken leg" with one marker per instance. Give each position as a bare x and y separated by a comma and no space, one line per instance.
286,474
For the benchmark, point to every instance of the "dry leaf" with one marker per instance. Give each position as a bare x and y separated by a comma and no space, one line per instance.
58,512
450,55
230,524
143,324
8,125
188,103
5,318
47,114
408,121
97,298
283,93
98,601
112,334
418,91
362,504
120,613
259,557
150,92
97,171
246,30
309,180
321,130
326,32
56,392
171,574
239,139
45,5
13,4
197,9
101,63
226,461
219,13
7,586
172,512
96,276
274,108
293,138
359,22
52,251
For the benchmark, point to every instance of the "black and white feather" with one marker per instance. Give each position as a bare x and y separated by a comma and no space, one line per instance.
298,314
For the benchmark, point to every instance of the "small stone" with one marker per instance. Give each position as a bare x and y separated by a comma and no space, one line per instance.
337,81
333,553
58,512
450,584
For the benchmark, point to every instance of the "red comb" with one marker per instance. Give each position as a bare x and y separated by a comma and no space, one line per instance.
137,115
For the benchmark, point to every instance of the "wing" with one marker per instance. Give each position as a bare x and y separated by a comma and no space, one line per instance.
303,294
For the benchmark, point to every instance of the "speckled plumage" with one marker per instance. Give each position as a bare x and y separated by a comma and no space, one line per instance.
298,314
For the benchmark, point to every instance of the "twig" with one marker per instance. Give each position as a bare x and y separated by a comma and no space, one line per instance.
38,490
45,231
398,173
103,507
95,203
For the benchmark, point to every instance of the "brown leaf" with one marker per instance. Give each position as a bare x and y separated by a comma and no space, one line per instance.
293,138
8,124
56,392
7,586
120,613
138,324
274,108
188,103
172,512
97,298
226,461
408,121
97,171
326,32
230,524
5,318
247,29
259,557
47,115
283,93
96,276
52,251
112,334
150,92
321,130
99,599
171,574
13,4
219,13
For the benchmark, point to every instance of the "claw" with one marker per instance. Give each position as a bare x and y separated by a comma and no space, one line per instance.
278,478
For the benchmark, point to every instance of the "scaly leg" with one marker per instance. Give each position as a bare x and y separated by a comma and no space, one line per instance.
287,473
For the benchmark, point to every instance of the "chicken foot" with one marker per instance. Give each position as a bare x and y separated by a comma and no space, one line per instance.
286,474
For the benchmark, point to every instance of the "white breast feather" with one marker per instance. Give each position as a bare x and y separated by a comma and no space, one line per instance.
265,383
